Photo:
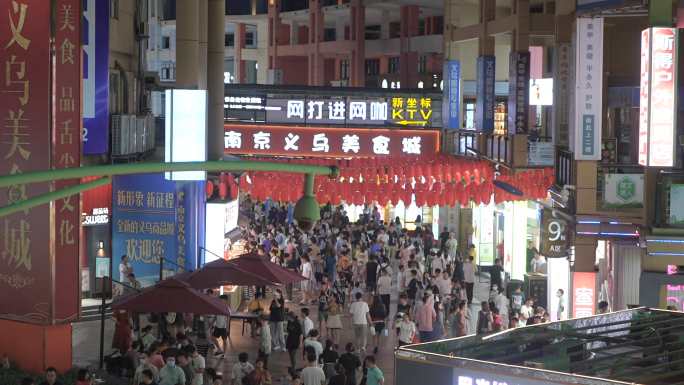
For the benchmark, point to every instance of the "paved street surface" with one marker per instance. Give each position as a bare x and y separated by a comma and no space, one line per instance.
86,343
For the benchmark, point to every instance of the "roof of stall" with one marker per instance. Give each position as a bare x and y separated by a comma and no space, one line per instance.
643,346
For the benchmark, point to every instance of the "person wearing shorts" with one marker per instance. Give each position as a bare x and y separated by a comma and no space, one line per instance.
220,331
324,300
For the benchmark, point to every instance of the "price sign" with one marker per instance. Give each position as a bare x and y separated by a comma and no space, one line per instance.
554,234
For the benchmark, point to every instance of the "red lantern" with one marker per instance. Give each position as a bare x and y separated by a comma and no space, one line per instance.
223,190
210,188
223,178
231,179
234,191
466,175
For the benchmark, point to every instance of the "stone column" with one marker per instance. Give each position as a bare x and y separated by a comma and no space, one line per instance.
357,35
202,45
274,29
187,44
294,33
316,30
385,25
240,43
410,18
339,28
215,66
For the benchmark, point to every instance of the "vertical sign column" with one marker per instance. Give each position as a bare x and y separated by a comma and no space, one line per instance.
583,294
562,68
658,86
519,93
67,142
485,94
589,83
452,95
25,263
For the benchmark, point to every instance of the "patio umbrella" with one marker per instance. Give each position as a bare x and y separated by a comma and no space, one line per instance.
171,295
222,272
261,266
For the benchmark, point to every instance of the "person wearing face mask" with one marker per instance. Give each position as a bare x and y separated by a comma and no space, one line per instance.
171,374
145,364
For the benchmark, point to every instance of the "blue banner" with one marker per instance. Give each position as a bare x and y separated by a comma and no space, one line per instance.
95,77
148,210
452,98
588,132
589,4
484,99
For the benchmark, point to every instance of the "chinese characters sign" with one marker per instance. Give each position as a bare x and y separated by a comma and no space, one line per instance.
485,93
657,107
452,95
67,128
623,190
327,142
25,137
518,93
608,156
562,73
554,234
96,77
588,94
583,294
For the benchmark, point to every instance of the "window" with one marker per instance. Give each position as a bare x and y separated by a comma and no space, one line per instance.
230,40
166,42
344,69
168,71
114,9
152,5
394,65
372,67
113,93
249,39
422,64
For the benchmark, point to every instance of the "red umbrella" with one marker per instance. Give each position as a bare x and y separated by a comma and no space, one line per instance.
255,264
171,295
222,272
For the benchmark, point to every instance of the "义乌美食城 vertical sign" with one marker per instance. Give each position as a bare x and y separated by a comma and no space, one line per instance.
25,263
67,127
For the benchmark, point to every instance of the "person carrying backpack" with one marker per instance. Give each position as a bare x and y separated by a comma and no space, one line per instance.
484,319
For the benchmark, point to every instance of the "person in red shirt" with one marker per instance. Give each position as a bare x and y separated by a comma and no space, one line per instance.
497,320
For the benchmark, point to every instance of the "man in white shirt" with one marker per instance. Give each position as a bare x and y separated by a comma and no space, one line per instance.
197,363
469,270
220,331
307,272
384,286
313,341
437,264
241,369
444,285
526,311
501,303
383,236
125,268
402,279
361,320
312,374
307,323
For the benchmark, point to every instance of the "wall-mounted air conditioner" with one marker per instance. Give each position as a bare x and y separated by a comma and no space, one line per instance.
120,134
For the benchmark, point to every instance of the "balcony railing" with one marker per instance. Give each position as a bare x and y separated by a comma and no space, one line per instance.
564,168
462,141
499,148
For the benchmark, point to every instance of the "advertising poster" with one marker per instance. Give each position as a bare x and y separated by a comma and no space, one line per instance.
484,98
563,67
623,191
608,156
583,294
518,93
452,95
676,208
588,106
102,266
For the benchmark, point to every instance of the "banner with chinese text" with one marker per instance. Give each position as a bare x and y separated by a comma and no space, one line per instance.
589,85
519,93
96,77
484,98
583,294
563,66
25,255
452,96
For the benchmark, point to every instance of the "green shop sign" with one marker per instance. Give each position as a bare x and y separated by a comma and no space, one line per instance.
623,191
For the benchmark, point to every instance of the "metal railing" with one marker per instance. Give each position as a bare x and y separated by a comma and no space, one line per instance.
462,141
498,148
563,168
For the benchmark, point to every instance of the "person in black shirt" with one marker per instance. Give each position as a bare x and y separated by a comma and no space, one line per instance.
351,364
433,286
339,378
403,307
412,288
328,358
294,337
276,320
458,275
497,274
392,242
371,276
443,237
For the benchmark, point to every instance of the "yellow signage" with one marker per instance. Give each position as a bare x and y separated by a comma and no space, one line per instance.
413,111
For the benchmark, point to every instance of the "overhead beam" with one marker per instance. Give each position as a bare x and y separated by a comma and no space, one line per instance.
541,25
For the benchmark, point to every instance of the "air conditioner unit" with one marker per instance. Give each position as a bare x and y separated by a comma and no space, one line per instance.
141,141
120,134
132,133
152,80
144,29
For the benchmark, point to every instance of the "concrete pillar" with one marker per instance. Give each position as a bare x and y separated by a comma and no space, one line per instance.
202,45
187,44
520,37
215,66
485,43
316,30
385,25
294,33
357,35
339,28
410,19
585,253
274,29
240,43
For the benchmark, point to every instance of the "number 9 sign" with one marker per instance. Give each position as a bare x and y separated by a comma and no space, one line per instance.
554,234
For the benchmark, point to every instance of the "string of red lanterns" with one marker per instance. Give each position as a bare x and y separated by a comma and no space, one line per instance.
434,179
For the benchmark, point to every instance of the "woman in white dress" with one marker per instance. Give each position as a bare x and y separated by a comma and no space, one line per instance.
452,245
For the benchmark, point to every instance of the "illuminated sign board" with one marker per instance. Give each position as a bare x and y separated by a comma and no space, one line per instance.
100,216
583,294
250,103
541,92
658,98
186,131
405,111
554,233
327,142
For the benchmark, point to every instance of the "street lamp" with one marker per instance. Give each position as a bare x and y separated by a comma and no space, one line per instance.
517,192
479,154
